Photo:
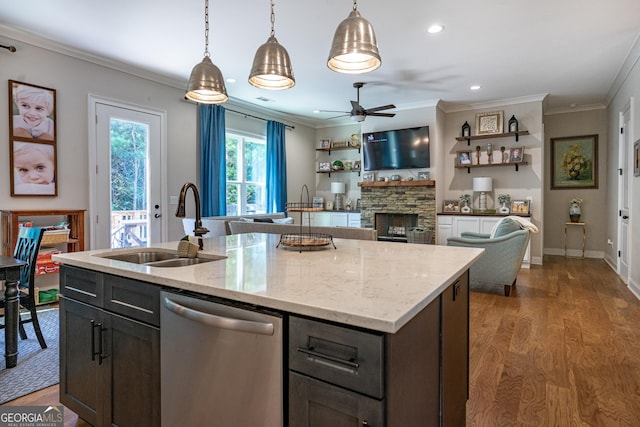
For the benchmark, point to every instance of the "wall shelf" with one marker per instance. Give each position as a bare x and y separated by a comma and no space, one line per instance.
492,135
329,150
341,171
488,165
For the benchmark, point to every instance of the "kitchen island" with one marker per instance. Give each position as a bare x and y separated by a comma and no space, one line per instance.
411,300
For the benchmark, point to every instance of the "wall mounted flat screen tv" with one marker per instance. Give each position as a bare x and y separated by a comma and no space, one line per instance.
396,149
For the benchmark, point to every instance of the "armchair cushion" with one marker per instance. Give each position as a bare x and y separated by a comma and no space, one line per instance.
501,261
505,226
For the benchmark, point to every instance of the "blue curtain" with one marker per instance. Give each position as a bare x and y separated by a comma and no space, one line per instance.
213,164
276,167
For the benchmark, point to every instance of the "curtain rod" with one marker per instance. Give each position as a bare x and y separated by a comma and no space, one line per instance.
256,117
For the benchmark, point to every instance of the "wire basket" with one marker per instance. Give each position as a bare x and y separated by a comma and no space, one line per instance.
307,241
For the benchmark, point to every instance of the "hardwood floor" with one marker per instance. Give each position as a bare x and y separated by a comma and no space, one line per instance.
562,350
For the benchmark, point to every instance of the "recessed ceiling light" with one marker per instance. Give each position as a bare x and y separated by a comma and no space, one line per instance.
435,28
316,111
230,80
573,105
475,87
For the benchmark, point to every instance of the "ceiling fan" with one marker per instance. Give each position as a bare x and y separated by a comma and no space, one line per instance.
358,113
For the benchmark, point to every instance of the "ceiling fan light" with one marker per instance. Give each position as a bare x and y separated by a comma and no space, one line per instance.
358,117
354,49
272,67
206,84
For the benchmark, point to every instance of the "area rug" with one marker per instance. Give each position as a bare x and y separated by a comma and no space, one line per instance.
37,368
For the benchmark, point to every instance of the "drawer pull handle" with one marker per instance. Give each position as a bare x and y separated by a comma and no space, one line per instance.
311,352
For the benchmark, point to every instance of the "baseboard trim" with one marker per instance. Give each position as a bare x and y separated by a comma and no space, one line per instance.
574,253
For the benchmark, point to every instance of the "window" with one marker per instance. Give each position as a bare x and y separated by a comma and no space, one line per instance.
246,158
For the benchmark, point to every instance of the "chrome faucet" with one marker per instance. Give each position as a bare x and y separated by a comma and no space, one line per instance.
199,230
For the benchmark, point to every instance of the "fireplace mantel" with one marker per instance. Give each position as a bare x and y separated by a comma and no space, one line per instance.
398,184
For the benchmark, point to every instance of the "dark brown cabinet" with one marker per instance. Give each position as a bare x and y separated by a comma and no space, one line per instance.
341,376
110,355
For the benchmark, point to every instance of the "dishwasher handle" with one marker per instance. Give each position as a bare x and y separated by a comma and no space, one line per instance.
216,321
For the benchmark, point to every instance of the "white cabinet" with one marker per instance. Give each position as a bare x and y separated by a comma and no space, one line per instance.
335,219
455,225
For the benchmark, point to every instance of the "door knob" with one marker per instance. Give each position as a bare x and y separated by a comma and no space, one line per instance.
625,216
157,215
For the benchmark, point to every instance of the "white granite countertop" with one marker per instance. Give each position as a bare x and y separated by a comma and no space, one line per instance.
374,285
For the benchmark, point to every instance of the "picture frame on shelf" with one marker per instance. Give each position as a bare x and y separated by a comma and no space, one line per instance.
574,162
324,167
520,207
357,165
368,177
489,123
516,155
451,206
424,176
325,143
318,202
339,144
463,158
358,204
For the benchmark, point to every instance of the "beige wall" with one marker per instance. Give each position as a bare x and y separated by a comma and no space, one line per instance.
74,79
594,209
527,182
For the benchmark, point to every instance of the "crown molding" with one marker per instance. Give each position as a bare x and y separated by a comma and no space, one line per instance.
576,109
625,69
451,107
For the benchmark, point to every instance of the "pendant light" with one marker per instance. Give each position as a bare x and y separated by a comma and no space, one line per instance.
271,65
354,49
206,84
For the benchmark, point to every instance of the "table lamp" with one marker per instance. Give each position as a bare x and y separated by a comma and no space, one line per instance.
482,184
338,188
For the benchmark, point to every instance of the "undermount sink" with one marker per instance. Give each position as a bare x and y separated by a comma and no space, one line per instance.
154,258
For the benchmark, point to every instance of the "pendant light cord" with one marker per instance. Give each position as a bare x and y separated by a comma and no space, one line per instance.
206,29
355,4
273,20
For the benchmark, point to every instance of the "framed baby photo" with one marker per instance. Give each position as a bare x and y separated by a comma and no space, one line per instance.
325,144
32,111
463,158
33,168
516,155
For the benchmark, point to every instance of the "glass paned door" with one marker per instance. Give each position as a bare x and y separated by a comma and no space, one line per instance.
128,172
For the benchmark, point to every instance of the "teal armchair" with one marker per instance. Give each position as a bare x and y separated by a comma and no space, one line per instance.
502,259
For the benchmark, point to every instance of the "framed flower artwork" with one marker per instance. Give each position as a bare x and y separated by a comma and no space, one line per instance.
574,162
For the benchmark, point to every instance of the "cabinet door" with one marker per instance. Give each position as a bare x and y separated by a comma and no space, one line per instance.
322,219
339,219
487,224
80,380
465,224
354,220
316,403
132,374
455,352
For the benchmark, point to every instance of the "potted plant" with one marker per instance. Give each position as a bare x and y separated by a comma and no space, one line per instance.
504,200
575,209
465,200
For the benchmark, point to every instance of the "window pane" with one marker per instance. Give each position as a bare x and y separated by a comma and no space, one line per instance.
255,161
232,144
255,201
232,198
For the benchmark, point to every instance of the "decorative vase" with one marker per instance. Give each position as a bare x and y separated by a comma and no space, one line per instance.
503,208
490,152
575,212
465,207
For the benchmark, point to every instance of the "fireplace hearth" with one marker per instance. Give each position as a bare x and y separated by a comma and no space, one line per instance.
414,198
394,226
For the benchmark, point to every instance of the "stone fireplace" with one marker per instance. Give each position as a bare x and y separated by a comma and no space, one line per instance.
397,199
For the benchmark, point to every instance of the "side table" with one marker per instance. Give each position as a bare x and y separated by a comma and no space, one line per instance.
568,225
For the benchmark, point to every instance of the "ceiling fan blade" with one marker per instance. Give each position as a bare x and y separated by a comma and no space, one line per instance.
382,114
382,107
333,111
336,117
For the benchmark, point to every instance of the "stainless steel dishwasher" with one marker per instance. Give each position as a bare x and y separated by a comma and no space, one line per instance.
221,365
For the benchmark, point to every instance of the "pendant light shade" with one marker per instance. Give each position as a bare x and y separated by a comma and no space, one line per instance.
271,65
354,49
206,84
